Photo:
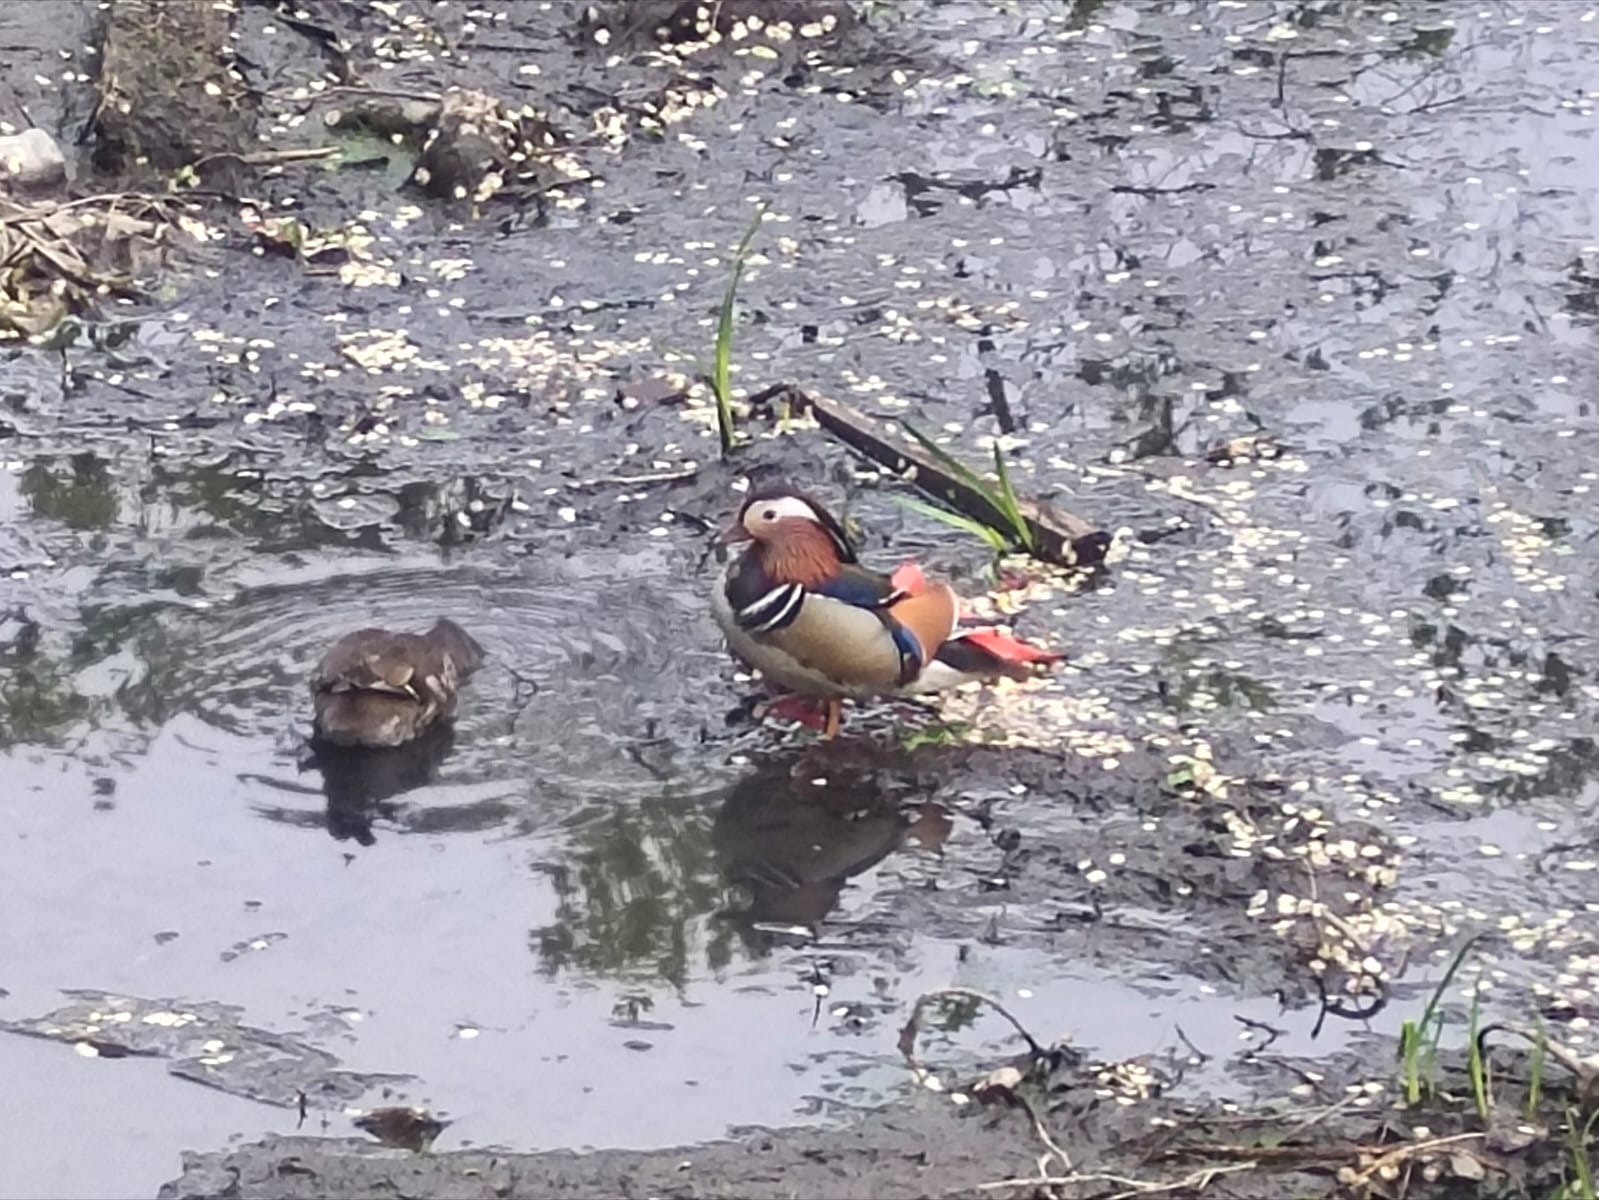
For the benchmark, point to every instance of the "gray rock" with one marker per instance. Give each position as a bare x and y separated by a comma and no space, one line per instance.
31,159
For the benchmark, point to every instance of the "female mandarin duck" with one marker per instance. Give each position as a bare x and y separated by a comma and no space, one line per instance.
377,688
798,606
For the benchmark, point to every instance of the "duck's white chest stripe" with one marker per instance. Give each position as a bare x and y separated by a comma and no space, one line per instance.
773,610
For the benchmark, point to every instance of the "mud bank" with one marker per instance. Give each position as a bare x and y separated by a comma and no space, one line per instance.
1296,298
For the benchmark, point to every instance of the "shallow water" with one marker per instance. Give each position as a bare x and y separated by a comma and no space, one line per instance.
569,926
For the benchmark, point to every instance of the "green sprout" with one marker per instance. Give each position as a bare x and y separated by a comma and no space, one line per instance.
1540,1050
1477,1062
721,372
1418,1040
1578,1133
1015,533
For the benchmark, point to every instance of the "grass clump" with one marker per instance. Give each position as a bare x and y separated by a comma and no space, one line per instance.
1579,1181
1418,1040
1552,1125
1011,533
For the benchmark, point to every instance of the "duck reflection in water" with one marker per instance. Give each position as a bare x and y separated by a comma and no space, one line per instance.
791,835
359,781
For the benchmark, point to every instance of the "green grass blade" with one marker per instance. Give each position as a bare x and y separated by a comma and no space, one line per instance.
1012,508
1410,1052
1419,1040
1535,1072
1430,1014
1002,500
722,369
996,540
957,468
1577,1140
1476,1063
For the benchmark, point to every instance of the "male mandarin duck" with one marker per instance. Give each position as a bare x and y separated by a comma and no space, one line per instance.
378,688
798,605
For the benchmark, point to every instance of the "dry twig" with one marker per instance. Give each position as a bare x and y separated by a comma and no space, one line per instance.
1195,1180
997,1085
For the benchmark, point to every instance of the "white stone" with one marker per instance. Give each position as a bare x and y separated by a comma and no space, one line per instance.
31,159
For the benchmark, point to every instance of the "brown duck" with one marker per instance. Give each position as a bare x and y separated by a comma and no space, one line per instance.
375,687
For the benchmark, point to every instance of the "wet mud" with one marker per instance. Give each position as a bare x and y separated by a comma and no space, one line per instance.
1295,298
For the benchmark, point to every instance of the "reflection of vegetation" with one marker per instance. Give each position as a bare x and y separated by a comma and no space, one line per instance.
1428,43
83,497
1569,769
1584,298
629,1009
1137,371
1332,162
643,882
1564,770
455,511
1556,675
38,703
229,497
1448,644
219,491
1201,689
646,893
957,1013
1083,12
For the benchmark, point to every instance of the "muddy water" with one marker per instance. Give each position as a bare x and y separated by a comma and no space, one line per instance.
605,915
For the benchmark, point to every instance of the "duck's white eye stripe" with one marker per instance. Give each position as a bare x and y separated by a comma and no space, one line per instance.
783,506
773,610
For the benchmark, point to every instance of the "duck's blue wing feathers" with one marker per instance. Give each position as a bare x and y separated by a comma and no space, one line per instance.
860,587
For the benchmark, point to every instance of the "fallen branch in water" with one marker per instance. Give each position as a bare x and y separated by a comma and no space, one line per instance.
1194,1181
1001,1083
267,158
1585,1071
1058,536
907,1034
673,476
1381,1165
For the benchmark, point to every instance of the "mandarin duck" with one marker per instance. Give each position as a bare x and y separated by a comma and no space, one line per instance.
378,688
798,605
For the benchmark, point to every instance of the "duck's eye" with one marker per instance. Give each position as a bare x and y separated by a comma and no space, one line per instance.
769,515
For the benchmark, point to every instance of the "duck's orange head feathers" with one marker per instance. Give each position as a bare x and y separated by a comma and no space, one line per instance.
797,539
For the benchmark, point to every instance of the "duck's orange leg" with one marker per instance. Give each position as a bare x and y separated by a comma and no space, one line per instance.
835,715
801,709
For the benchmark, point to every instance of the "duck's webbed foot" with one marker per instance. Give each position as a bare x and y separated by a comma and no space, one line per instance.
805,710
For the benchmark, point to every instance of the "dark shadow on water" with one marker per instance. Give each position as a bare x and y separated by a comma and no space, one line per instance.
361,783
358,781
664,889
787,844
